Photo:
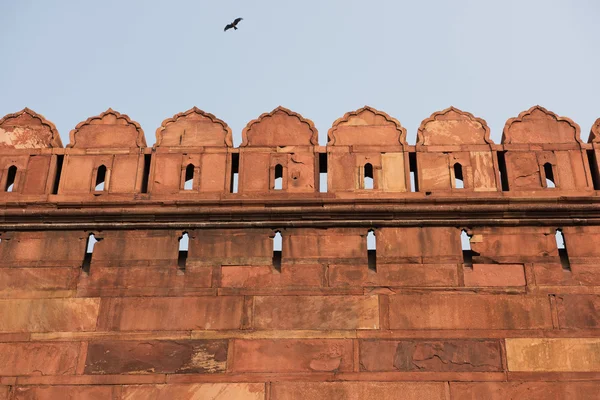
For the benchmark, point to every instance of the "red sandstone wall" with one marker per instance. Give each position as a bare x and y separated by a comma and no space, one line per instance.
422,323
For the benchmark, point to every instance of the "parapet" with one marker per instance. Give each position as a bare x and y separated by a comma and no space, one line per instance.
366,156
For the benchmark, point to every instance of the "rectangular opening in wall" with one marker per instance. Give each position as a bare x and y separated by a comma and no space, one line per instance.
89,251
146,173
414,178
593,161
323,172
235,168
562,250
183,251
502,171
371,250
468,254
59,164
277,250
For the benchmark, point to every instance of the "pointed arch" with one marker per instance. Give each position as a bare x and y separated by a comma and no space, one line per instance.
538,125
453,126
110,129
280,127
194,128
366,125
27,129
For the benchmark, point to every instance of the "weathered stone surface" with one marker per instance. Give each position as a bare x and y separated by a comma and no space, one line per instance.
203,391
357,390
268,276
194,128
38,278
110,129
314,244
231,246
280,127
290,355
501,243
490,275
27,129
38,358
4,392
171,313
366,126
524,390
394,275
538,125
437,244
432,356
553,274
63,392
157,356
316,312
48,315
47,248
453,126
571,355
578,311
457,311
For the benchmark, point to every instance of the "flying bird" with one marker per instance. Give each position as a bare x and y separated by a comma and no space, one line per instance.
233,24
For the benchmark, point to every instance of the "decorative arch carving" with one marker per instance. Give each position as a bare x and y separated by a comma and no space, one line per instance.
366,126
194,128
27,129
538,125
110,129
280,127
595,132
453,127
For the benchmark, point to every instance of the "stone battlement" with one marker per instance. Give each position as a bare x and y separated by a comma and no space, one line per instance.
366,156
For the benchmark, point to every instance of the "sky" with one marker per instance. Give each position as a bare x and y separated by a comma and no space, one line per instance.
72,59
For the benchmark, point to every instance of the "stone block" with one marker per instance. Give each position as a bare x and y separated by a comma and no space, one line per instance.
38,358
398,275
524,390
30,279
434,171
231,246
265,276
342,174
430,355
200,391
118,247
290,355
82,392
318,244
157,356
458,311
36,175
123,176
47,248
170,313
166,174
316,312
436,245
49,315
494,275
357,390
557,355
578,311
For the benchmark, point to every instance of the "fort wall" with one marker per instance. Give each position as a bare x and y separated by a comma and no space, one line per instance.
364,269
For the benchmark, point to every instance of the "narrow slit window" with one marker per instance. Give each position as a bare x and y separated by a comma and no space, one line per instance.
100,179
414,178
278,177
323,172
10,179
183,251
372,250
235,172
562,250
549,175
146,174
277,250
189,177
89,250
465,240
59,164
593,161
459,182
368,178
502,170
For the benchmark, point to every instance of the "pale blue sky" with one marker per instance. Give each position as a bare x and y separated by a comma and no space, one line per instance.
71,59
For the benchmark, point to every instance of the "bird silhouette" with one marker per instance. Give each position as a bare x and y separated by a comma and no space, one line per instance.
233,24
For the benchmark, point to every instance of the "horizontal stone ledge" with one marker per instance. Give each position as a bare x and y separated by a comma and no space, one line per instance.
90,223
